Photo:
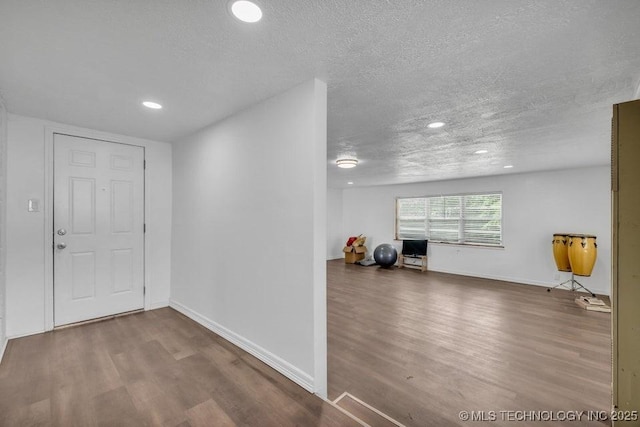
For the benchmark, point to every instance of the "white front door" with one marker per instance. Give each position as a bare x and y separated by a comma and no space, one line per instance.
98,228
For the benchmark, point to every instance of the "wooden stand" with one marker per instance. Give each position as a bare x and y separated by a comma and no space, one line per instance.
421,267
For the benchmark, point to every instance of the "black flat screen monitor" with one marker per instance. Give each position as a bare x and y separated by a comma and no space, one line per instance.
414,247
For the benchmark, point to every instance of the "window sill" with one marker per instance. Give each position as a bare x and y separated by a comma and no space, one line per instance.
467,245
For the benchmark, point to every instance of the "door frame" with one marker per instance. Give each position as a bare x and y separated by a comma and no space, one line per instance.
47,210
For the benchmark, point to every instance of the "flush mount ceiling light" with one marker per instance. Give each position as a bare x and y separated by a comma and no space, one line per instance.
508,166
152,105
435,125
246,11
350,183
481,152
347,163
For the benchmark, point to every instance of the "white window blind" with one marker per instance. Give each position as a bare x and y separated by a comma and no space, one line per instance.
411,218
465,218
443,222
482,219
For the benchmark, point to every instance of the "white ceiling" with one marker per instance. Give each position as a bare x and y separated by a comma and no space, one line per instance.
530,81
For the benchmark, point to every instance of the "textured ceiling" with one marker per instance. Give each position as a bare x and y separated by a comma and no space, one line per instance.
532,82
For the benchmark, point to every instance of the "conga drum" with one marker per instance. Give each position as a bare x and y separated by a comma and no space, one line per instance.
583,250
561,251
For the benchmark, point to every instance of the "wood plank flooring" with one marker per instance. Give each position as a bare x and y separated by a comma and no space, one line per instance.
156,368
421,347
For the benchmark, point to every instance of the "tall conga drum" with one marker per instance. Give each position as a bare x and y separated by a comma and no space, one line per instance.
583,251
561,251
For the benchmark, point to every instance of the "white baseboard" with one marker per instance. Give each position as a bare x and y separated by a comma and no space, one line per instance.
157,305
26,334
301,378
3,347
510,279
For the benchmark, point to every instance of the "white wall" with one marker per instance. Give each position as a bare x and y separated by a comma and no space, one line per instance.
535,205
3,228
249,231
26,272
335,234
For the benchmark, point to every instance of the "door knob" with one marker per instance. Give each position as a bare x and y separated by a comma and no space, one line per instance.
62,245
62,232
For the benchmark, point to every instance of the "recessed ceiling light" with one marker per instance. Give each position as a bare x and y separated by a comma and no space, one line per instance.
481,152
508,166
347,163
350,182
435,125
152,105
246,11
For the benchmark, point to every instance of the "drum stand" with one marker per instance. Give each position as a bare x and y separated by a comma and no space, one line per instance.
573,285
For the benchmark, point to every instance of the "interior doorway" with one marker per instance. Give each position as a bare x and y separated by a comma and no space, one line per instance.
98,228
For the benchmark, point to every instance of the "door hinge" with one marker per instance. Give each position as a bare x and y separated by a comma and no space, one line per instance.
144,290
144,228
144,164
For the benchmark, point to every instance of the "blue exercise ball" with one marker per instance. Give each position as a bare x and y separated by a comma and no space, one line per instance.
385,255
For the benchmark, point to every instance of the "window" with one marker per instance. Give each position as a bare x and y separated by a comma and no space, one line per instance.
463,218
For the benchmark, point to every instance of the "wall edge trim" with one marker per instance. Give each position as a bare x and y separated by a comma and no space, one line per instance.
299,377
